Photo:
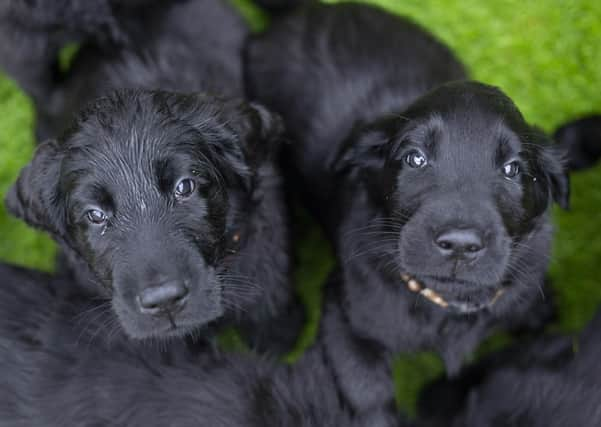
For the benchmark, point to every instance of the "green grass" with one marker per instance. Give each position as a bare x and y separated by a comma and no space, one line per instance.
544,54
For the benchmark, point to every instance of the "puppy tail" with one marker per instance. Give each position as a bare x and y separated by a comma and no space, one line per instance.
580,140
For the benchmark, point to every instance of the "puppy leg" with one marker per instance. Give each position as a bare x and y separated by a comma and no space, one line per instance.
29,59
277,335
361,368
532,316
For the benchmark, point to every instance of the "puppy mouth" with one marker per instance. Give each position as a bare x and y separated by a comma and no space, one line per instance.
174,329
457,305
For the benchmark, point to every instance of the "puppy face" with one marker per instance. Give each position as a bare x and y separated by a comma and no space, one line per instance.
146,189
466,185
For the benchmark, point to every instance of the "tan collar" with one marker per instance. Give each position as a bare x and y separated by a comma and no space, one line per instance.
436,298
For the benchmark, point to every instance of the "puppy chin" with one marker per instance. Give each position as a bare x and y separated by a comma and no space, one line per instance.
140,327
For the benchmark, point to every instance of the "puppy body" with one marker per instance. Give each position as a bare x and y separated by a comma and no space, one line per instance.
33,32
564,393
46,388
56,373
394,161
195,46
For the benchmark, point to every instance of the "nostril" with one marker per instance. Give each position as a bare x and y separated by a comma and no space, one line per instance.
459,242
166,296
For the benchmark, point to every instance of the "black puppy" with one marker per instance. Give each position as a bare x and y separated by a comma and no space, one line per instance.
52,375
564,394
31,34
169,205
581,140
436,194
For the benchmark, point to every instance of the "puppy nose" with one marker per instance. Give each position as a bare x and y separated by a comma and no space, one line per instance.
465,243
169,296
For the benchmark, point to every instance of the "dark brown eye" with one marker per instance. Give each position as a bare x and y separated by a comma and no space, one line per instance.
416,159
96,217
511,169
184,188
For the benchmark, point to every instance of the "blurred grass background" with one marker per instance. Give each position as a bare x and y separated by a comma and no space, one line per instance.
545,54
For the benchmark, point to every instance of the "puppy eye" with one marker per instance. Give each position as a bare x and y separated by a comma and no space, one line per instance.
184,188
96,216
416,159
511,169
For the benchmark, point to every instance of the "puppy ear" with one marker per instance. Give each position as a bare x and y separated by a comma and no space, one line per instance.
34,196
366,149
366,158
263,135
581,141
556,172
550,167
561,190
244,135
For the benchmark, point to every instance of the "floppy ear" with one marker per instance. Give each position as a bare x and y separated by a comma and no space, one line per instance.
244,135
581,141
261,134
554,167
34,196
366,156
550,166
367,148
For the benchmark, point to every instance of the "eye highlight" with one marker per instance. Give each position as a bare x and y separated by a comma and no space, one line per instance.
512,169
96,216
416,159
184,188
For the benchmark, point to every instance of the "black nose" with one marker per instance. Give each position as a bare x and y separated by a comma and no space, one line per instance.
169,296
460,243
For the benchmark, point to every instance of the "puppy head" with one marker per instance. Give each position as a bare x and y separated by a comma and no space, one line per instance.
464,184
147,189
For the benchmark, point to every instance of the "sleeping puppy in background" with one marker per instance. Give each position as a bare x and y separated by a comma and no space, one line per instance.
567,394
581,140
437,195
32,33
54,373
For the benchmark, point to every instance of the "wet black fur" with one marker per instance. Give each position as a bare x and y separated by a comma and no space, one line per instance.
359,90
55,372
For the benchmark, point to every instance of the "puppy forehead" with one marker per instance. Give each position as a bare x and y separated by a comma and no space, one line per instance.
134,159
467,135
471,115
131,123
